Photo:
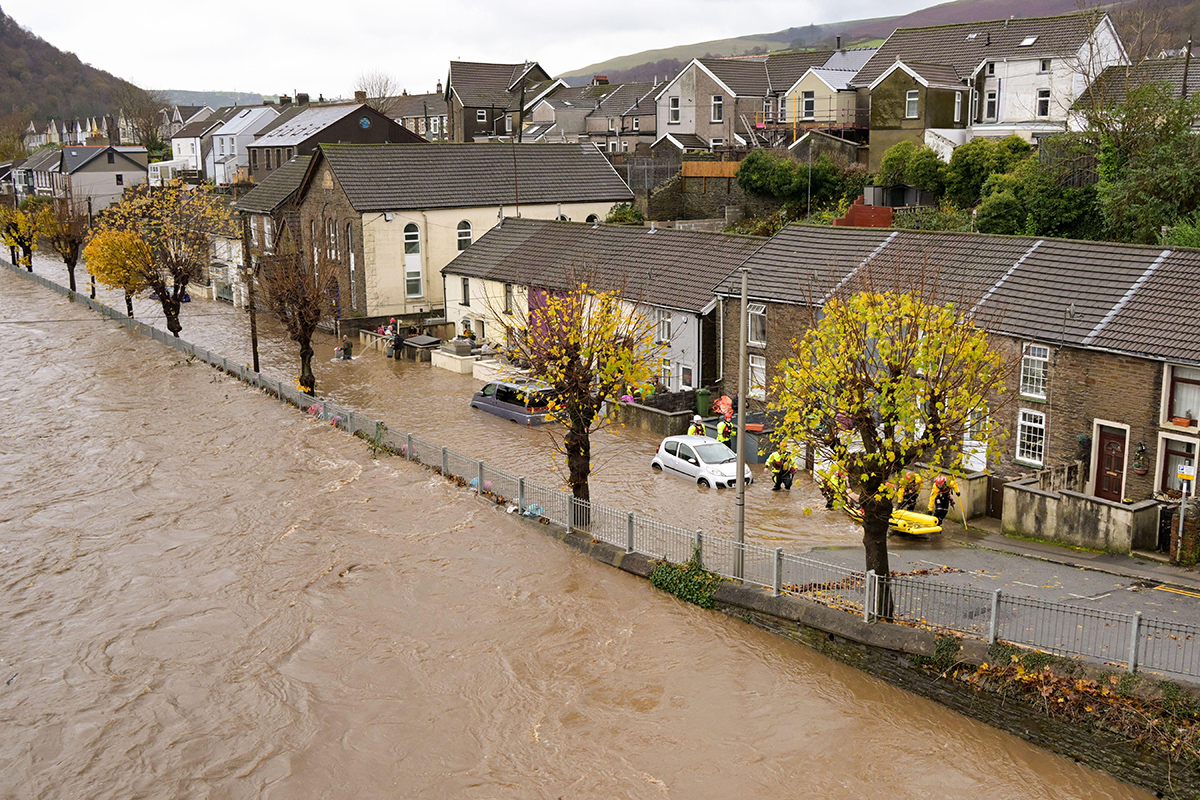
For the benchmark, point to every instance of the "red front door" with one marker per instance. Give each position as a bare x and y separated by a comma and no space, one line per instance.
1110,469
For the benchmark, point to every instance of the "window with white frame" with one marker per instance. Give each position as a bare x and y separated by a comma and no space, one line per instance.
672,109
664,372
783,108
464,235
1044,65
508,123
758,377
767,108
989,106
1031,436
1043,102
637,124
1183,396
718,108
685,377
481,115
912,99
958,106
757,313
991,68
1176,453
412,261
808,102
433,125
1035,371
664,325
612,124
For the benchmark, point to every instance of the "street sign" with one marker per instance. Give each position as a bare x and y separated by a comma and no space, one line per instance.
1186,473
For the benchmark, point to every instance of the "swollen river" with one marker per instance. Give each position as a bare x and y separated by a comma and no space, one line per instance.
206,594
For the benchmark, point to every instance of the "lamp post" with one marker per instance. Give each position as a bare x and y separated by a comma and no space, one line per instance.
740,519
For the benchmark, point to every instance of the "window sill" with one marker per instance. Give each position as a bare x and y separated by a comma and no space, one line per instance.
1031,399
750,343
716,122
1028,462
1166,423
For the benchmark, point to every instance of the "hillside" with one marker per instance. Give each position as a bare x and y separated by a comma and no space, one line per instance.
666,62
185,97
40,81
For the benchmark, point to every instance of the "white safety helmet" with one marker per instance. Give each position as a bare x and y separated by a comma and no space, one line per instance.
697,418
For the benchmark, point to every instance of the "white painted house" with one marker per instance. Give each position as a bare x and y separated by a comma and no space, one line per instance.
230,158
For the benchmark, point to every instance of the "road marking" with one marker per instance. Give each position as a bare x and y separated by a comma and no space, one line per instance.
1163,588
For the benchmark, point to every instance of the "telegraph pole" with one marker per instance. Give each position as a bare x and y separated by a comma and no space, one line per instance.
740,523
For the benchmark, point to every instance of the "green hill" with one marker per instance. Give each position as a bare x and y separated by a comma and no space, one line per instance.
184,97
39,81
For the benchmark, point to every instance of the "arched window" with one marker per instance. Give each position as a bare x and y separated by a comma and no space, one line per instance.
412,261
592,218
464,235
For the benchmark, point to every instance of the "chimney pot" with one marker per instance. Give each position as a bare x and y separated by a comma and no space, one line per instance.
439,87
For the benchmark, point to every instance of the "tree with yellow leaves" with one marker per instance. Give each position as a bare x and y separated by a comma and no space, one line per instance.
174,222
119,260
591,347
882,379
64,226
22,228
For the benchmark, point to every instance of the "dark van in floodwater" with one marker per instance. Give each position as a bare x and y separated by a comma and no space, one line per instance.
525,402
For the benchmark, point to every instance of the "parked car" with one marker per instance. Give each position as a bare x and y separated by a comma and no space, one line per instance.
523,401
699,458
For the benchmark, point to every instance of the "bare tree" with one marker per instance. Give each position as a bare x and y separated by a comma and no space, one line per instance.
301,296
64,228
381,90
143,110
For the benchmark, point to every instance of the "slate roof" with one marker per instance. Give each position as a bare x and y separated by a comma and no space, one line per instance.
935,74
850,58
311,120
684,141
195,130
42,160
966,45
488,85
625,98
839,79
784,69
665,268
74,157
1113,85
744,78
391,177
1132,299
415,105
279,186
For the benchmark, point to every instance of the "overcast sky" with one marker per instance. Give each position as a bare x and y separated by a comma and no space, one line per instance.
272,46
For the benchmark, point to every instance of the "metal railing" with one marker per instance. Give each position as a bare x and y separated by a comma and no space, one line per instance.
1126,640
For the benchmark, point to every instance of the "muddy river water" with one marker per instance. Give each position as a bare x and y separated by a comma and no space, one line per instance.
205,594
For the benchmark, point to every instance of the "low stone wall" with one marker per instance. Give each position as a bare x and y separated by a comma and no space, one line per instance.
1078,519
663,423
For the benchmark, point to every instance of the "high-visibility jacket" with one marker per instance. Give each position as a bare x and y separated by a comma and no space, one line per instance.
697,429
944,490
725,431
778,462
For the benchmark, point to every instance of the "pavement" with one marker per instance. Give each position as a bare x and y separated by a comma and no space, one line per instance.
981,557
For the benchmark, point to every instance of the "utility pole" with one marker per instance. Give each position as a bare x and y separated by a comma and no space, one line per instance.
1187,61
93,277
249,274
740,519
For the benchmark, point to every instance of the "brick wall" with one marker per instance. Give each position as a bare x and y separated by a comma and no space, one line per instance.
784,323
324,201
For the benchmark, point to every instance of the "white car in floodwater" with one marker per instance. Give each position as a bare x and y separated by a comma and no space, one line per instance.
699,458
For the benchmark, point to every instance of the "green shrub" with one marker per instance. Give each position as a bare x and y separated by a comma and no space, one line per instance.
690,581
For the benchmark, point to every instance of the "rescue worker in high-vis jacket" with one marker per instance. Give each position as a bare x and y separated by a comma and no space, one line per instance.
910,489
780,464
725,430
697,426
942,497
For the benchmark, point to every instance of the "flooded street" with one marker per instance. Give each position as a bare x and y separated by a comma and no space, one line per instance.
207,594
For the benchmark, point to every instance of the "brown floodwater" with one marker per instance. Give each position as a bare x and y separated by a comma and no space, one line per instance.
207,594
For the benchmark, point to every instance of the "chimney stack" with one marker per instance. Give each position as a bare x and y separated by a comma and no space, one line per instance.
599,80
439,86
360,97
301,98
285,100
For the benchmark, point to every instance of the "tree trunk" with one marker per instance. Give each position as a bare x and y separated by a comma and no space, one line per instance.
579,466
877,514
129,304
27,253
308,382
71,274
12,254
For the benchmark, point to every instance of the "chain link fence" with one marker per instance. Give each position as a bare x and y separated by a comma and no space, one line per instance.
1125,640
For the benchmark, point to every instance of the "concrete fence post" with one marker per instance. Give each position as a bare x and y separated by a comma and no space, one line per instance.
479,486
1135,639
868,591
629,532
994,623
778,571
445,462
700,547
408,447
521,495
